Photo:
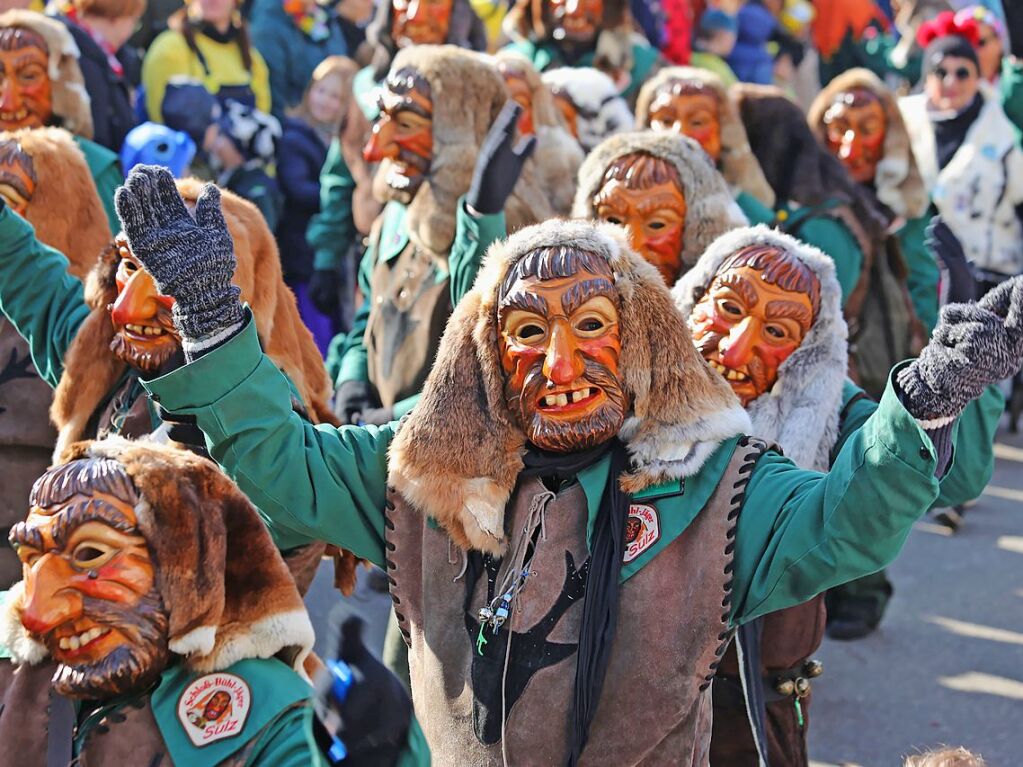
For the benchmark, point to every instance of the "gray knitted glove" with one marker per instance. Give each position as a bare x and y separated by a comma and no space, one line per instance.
973,346
191,260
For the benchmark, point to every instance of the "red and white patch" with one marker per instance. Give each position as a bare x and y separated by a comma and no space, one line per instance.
214,707
642,529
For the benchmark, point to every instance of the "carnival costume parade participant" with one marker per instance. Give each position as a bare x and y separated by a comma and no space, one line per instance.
43,85
451,171
765,312
44,177
589,103
156,622
857,118
663,191
582,33
404,23
557,156
695,103
537,532
967,150
819,203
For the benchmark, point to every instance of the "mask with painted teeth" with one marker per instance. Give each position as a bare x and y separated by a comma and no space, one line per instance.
26,91
560,344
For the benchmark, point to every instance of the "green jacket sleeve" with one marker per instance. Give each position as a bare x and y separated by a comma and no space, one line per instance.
354,365
473,235
416,752
288,742
802,532
309,482
923,271
331,232
1011,87
44,303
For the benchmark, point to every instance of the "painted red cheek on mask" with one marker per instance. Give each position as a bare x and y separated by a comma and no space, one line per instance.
113,581
667,245
419,143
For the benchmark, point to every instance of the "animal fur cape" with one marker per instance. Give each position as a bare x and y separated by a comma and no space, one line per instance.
800,413
458,454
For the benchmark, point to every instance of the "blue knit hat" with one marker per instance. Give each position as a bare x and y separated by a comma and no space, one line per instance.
716,20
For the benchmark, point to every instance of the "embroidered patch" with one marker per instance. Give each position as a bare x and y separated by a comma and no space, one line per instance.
214,707
642,529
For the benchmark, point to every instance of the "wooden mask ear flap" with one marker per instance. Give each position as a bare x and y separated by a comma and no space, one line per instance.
457,456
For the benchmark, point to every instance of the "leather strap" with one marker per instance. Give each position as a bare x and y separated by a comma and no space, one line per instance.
60,732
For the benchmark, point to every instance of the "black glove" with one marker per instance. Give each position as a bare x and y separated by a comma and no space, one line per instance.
946,248
973,346
325,291
374,416
499,164
352,397
191,260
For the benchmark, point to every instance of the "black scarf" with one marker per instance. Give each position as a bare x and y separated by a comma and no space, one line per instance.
600,605
950,134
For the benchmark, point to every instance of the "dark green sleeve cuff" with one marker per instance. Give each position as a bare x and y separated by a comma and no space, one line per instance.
898,431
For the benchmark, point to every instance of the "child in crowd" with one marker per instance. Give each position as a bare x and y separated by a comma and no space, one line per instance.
715,39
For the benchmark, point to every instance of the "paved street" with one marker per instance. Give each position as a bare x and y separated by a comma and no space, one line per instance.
945,667
947,664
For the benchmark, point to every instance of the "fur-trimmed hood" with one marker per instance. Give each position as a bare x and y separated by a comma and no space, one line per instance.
71,105
898,182
65,208
801,411
459,453
465,30
737,163
557,156
205,539
710,208
91,371
467,94
600,110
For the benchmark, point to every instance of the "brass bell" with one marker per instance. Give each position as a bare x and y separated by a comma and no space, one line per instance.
813,668
785,687
802,687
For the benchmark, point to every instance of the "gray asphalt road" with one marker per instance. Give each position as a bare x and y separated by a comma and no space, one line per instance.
946,666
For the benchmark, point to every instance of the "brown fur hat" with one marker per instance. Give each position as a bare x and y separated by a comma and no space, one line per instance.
227,592
710,208
65,208
737,163
898,181
458,455
467,94
557,156
91,371
71,108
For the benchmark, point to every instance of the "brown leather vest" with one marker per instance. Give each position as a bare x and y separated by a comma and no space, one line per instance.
410,307
26,438
789,637
655,708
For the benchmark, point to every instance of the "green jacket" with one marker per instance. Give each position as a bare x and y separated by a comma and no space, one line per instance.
106,173
547,56
924,274
347,359
1011,89
824,232
331,232
800,533
872,51
973,441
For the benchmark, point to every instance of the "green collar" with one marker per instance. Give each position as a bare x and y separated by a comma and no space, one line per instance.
393,234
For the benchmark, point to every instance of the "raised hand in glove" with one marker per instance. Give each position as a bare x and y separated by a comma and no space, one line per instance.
974,345
191,260
945,246
374,416
353,397
325,291
499,164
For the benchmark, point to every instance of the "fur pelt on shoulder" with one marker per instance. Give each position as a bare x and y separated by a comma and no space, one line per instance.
898,182
801,411
65,208
557,156
91,371
737,163
206,541
71,105
465,30
467,94
458,455
710,208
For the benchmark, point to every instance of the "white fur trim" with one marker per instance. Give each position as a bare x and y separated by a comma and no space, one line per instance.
262,639
13,635
198,641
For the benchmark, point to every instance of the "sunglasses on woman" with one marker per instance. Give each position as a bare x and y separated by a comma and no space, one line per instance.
960,73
